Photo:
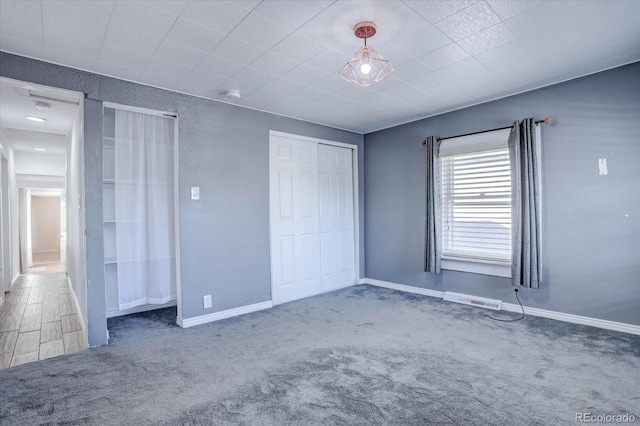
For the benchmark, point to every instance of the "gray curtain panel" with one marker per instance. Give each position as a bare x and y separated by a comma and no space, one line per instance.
433,226
526,266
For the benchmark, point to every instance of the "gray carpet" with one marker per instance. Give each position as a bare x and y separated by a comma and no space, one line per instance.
359,356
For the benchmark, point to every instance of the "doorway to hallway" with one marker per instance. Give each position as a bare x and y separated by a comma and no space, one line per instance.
43,230
43,305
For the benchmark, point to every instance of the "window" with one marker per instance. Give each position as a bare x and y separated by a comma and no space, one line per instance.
476,204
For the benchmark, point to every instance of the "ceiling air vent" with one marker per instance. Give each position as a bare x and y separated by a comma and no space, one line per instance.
467,299
49,95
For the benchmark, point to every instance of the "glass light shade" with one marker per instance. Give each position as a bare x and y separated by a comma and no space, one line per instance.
366,67
37,119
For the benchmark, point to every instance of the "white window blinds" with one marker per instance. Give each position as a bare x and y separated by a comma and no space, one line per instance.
476,200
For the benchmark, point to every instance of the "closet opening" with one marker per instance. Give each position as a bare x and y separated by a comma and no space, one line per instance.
140,210
313,216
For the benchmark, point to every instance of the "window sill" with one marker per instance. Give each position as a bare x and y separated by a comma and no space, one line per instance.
476,266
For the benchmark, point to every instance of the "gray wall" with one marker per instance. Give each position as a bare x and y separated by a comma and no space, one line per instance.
224,237
91,170
591,249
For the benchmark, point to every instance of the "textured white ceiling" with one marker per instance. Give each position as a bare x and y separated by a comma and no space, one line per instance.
284,56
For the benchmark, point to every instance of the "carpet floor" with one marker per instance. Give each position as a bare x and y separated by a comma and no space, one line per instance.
359,356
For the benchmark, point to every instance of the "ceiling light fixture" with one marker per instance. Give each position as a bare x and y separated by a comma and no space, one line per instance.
43,105
39,149
38,119
366,66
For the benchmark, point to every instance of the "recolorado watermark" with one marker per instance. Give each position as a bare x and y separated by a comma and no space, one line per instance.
605,418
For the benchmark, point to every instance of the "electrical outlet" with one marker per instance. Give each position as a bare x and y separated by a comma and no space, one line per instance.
207,301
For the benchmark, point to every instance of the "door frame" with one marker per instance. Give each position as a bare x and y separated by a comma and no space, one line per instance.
42,192
63,228
356,196
176,191
5,228
34,182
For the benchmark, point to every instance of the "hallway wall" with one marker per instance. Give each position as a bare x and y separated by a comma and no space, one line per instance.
8,152
40,164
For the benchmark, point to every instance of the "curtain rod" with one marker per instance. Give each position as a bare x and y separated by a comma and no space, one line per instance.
547,120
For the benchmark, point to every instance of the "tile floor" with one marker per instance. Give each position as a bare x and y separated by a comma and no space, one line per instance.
44,263
38,320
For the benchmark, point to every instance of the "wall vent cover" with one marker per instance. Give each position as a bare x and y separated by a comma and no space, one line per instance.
467,299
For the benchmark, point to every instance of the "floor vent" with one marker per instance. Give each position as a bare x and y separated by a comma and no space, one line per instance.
473,300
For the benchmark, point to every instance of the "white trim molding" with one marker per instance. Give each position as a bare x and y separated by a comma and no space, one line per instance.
85,334
164,114
574,319
477,266
39,181
312,139
510,307
229,313
402,287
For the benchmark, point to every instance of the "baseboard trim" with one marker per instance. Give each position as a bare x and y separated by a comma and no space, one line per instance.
142,308
81,318
510,307
402,287
217,316
574,319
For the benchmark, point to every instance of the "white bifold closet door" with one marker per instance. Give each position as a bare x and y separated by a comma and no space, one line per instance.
336,217
295,244
311,215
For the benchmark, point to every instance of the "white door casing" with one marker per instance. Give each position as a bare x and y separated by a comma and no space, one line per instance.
63,229
110,267
5,239
295,245
336,217
29,246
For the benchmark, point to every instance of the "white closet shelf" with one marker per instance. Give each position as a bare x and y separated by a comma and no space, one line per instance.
133,221
113,139
110,261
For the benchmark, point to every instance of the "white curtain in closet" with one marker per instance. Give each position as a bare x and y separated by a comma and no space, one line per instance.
144,194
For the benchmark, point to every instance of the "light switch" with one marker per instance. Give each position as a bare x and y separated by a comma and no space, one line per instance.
195,192
602,166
